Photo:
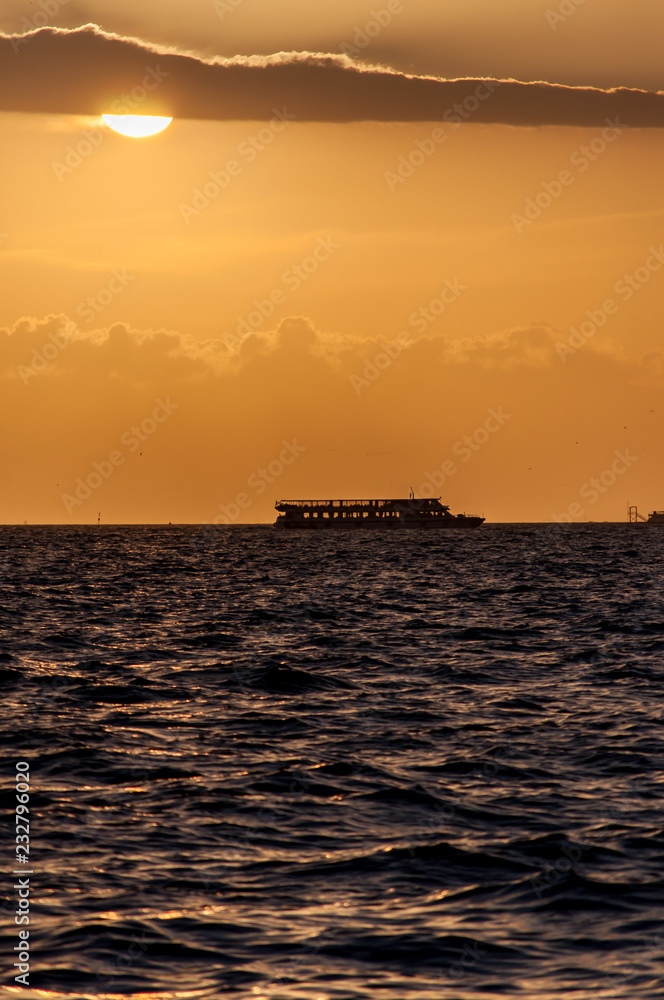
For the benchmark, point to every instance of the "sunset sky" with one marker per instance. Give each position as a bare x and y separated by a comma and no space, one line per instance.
327,277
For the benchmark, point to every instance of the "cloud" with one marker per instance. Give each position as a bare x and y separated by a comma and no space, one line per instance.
88,71
55,347
532,346
87,391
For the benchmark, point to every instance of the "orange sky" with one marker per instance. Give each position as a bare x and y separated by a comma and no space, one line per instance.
347,309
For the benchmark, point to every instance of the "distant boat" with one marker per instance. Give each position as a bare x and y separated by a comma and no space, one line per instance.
656,517
353,514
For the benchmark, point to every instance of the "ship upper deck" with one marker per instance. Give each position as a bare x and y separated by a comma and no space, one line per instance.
408,503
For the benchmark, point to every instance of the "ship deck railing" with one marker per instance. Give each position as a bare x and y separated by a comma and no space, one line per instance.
365,504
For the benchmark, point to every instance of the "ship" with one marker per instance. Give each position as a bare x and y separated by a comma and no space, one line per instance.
656,517
427,513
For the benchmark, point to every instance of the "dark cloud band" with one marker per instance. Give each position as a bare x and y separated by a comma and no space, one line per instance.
86,71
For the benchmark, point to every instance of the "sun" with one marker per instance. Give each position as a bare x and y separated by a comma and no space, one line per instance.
137,125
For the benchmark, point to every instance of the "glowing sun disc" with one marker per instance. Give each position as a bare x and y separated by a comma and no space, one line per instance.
137,125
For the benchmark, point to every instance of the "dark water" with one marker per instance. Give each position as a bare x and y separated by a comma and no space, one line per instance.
274,766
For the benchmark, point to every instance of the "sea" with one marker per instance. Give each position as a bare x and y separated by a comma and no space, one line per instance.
401,765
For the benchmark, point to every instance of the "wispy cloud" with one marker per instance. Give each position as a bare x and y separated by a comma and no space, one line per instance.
84,70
